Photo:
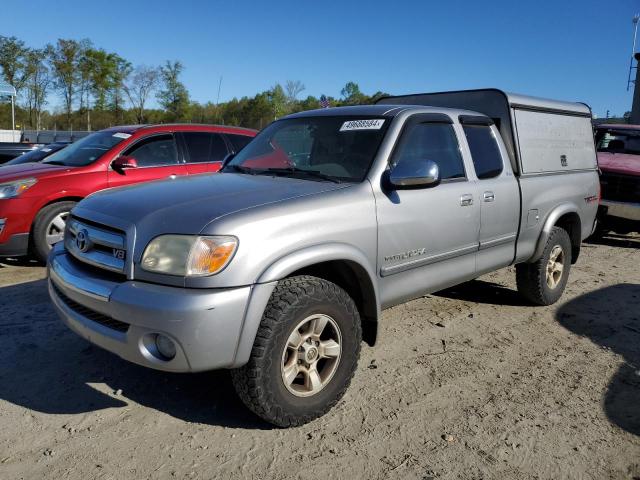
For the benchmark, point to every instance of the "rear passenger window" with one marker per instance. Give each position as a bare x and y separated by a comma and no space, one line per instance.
484,151
432,141
238,141
205,147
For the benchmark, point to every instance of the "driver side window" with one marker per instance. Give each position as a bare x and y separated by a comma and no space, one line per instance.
432,141
154,151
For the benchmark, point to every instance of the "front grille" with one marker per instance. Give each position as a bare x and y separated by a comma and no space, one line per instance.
90,314
99,246
621,188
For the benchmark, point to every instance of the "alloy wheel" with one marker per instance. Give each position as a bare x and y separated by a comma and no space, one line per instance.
311,355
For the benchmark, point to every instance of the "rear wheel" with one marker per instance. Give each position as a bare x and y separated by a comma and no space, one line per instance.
304,355
48,228
543,282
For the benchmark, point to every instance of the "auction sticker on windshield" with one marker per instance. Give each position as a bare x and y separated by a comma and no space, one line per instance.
122,135
375,124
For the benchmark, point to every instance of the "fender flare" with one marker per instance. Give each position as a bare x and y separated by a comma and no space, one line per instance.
281,268
326,252
308,256
550,221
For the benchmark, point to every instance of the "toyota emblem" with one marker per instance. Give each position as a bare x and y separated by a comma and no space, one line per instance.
82,240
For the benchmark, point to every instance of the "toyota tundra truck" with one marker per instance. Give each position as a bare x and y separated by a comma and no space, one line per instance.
278,267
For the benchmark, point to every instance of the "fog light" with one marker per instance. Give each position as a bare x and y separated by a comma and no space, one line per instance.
165,346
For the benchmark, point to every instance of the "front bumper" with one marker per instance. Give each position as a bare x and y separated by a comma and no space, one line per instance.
123,317
16,246
625,210
16,217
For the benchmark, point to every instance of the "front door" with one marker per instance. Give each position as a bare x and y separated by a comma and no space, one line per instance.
156,157
427,237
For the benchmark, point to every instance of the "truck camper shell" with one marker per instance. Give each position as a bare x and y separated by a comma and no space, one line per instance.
556,136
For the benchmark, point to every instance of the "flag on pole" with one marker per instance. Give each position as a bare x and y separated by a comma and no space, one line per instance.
324,101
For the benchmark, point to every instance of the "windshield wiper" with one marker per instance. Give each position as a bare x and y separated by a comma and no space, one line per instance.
296,170
241,169
55,162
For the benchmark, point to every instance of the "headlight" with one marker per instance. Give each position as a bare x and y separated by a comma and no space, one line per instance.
190,256
15,188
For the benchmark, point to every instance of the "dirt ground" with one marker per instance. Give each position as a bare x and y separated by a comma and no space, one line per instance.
469,383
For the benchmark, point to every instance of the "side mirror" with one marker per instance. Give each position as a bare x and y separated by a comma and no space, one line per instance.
120,164
414,174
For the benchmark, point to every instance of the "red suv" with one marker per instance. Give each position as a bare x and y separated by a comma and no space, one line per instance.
35,198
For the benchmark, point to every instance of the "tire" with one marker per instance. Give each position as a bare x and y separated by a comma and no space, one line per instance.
261,383
50,220
533,278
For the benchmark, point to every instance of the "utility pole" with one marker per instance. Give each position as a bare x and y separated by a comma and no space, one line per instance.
634,20
219,87
13,118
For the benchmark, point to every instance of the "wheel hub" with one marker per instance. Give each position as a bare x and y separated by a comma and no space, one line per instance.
311,355
555,267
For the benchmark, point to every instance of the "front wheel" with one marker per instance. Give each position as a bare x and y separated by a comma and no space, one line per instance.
305,353
48,228
543,282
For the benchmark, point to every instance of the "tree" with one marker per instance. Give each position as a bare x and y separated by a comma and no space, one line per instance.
139,86
64,57
352,94
12,60
174,97
278,100
86,72
100,66
38,80
377,96
121,70
293,88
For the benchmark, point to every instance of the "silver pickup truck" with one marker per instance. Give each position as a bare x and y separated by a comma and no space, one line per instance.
278,267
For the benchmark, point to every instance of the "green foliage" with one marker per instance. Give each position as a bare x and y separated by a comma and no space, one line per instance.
13,54
37,83
352,94
174,97
65,58
94,84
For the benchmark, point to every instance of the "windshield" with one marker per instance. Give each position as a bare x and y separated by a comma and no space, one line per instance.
619,141
314,148
87,150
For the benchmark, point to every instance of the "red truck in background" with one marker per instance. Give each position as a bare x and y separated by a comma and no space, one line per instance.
35,198
618,148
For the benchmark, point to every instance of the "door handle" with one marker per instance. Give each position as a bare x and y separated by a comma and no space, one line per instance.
466,200
489,197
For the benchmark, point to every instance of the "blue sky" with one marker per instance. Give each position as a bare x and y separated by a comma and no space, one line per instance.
564,49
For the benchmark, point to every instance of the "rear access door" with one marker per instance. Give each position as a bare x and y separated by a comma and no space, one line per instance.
497,191
204,151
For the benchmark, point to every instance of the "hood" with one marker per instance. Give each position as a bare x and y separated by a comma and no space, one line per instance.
187,204
26,170
622,163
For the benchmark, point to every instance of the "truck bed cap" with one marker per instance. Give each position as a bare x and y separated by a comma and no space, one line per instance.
500,106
